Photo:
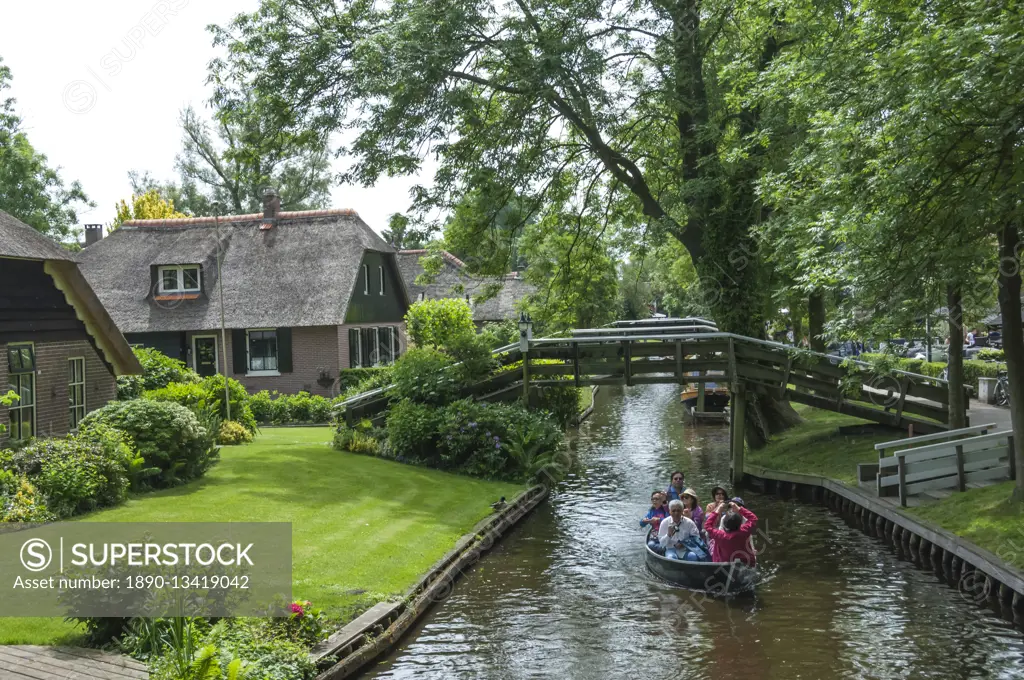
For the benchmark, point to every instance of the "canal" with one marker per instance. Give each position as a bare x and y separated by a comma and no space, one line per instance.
566,594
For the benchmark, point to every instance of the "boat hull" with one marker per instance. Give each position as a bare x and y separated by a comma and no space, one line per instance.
719,578
713,401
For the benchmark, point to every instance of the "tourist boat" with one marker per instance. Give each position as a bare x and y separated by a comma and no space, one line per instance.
715,398
718,578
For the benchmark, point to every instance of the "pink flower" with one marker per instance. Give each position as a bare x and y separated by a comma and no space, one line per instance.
297,609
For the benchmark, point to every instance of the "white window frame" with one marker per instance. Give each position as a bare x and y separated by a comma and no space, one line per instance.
366,279
248,359
17,405
380,276
216,351
179,270
72,406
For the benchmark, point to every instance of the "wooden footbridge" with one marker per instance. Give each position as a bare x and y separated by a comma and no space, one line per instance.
687,351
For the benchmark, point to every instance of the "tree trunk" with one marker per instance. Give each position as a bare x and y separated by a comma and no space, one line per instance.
957,401
816,320
1013,341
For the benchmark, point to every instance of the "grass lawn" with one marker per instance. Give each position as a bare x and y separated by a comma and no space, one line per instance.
586,398
363,529
983,516
816,447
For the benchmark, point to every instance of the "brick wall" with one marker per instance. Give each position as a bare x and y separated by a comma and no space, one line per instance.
312,347
52,413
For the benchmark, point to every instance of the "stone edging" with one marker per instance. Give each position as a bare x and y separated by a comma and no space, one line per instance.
437,584
979,574
590,409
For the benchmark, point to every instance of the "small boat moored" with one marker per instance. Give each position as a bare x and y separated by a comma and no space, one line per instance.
717,578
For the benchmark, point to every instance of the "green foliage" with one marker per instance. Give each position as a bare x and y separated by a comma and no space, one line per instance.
363,438
149,205
413,430
561,401
473,353
158,370
167,435
425,375
265,652
365,378
283,409
500,334
30,188
232,432
21,501
75,475
989,354
436,323
208,393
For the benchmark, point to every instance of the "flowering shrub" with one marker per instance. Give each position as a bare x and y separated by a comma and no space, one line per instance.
232,432
306,624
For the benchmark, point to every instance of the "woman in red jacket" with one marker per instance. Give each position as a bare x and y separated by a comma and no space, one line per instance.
731,541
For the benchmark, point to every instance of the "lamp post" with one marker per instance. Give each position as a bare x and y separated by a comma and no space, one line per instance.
223,333
525,335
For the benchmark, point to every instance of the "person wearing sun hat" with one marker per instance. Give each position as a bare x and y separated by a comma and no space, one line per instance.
692,505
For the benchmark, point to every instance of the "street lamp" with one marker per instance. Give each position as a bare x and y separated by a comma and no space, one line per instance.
525,331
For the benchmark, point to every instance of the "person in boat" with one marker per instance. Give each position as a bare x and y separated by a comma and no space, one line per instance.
676,487
732,541
653,518
692,509
678,535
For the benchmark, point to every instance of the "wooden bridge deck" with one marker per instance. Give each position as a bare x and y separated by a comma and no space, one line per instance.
611,357
31,662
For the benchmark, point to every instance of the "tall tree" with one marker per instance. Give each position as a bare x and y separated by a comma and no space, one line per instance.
30,189
149,205
632,114
913,157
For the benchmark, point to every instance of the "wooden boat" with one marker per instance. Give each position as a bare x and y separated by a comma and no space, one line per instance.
718,578
715,398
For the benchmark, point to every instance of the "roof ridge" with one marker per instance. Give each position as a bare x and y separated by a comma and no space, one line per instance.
284,215
444,253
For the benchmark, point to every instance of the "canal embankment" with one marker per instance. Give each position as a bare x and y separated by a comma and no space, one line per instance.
974,538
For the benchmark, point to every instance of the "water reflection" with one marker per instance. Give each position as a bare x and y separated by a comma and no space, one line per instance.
566,594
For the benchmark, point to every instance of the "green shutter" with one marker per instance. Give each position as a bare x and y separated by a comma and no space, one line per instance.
284,350
239,352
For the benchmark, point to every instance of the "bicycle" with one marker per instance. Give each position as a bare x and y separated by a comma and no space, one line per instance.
1002,389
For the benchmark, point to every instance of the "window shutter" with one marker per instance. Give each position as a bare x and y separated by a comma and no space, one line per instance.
368,357
284,350
353,348
154,280
239,352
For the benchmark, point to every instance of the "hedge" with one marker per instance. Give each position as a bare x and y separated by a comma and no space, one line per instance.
973,369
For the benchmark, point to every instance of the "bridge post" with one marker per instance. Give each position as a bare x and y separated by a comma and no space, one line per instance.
526,378
737,429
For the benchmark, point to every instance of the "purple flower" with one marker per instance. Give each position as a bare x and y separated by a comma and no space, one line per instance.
473,424
497,445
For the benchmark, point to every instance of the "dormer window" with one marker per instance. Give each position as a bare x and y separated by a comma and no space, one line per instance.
179,279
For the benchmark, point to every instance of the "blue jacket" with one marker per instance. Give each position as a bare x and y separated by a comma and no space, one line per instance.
660,513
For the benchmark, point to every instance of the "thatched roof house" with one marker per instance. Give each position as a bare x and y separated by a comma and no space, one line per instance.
305,294
454,282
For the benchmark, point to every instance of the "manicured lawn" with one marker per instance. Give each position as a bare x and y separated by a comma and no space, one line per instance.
586,399
363,529
984,516
817,448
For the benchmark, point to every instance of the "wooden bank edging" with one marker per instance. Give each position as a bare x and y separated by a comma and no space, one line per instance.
590,409
917,537
436,585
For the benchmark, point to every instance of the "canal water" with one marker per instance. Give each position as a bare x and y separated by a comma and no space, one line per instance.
566,594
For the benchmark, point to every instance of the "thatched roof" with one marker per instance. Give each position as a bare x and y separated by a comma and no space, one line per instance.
452,277
17,239
298,272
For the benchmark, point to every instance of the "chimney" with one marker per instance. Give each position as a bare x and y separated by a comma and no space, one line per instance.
93,233
271,203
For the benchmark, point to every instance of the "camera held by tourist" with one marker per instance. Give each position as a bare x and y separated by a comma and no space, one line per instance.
732,541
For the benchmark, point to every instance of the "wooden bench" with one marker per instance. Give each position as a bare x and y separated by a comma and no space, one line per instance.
948,464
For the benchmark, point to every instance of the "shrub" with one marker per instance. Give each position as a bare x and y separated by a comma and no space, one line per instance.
76,475
158,370
22,502
232,432
990,354
266,655
413,430
561,401
167,435
271,407
375,376
500,334
306,625
473,352
425,375
359,439
209,393
433,323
